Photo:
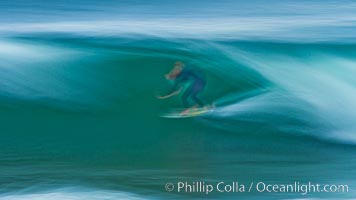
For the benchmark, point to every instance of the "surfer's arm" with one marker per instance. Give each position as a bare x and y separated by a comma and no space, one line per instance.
176,89
171,94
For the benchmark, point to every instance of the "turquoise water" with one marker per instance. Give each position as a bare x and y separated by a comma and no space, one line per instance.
80,118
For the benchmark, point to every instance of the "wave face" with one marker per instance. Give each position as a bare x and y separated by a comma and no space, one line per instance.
305,89
80,118
71,101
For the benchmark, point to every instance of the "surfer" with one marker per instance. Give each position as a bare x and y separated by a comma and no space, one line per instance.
181,75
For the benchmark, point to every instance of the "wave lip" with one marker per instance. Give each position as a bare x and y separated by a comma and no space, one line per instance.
300,28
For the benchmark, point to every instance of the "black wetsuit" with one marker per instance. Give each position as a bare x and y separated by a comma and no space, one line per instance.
197,84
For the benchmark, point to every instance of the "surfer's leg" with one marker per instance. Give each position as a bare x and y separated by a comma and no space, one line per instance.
198,87
197,100
186,95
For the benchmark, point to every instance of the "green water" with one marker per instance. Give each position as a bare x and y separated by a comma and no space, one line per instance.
80,114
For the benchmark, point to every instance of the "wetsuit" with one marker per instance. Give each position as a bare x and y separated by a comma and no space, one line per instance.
197,84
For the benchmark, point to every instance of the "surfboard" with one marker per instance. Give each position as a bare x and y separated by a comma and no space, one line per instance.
193,112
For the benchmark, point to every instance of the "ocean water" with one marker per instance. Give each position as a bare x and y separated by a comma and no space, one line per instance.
80,118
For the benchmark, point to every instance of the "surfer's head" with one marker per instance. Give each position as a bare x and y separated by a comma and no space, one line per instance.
177,69
178,64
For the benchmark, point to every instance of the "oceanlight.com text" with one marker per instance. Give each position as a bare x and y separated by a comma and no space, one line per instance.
260,187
